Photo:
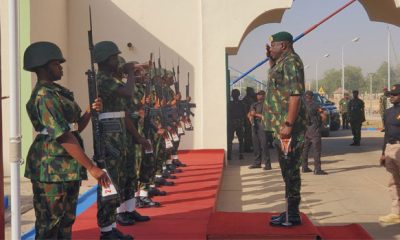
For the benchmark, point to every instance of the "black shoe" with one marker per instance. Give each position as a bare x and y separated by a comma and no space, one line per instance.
172,168
178,163
254,166
162,182
281,220
167,174
320,172
146,202
306,170
267,167
115,234
277,216
156,192
137,217
124,219
355,144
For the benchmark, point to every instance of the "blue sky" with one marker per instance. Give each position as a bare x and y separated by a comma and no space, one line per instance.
368,53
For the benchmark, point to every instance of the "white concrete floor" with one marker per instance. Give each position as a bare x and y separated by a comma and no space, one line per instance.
354,191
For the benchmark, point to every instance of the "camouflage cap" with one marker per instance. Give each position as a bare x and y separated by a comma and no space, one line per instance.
40,53
281,36
103,50
395,89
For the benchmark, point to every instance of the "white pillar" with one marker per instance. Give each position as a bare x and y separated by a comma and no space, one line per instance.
15,130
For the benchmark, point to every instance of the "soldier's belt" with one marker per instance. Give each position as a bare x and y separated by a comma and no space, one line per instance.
73,127
108,115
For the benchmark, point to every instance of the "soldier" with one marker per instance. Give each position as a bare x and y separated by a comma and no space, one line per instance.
256,116
315,119
383,105
236,118
284,115
390,153
343,107
120,166
56,162
356,117
248,100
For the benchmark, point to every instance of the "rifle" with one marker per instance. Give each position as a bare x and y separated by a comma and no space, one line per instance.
185,108
98,139
98,144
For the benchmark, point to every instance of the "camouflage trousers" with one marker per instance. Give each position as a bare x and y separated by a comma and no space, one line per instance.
290,168
146,165
161,155
55,208
120,165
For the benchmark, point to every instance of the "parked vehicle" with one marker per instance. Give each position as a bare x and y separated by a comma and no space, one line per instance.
333,116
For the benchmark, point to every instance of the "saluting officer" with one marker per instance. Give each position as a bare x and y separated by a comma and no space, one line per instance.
56,162
284,115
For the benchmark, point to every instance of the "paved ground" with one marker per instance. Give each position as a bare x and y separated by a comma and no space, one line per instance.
353,192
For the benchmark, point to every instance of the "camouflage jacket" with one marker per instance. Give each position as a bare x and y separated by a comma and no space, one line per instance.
107,87
343,105
382,104
52,107
285,79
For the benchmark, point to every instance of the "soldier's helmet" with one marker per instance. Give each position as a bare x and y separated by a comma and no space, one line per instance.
40,53
103,50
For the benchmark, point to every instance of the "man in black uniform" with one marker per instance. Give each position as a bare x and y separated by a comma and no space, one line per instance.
248,100
315,118
236,118
259,135
356,117
390,153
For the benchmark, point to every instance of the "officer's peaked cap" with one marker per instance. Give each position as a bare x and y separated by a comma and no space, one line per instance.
40,53
281,36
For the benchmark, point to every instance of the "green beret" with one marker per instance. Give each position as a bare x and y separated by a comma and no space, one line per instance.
281,36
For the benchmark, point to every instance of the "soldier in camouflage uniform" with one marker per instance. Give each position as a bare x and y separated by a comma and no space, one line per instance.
343,108
56,162
284,116
116,123
356,117
383,100
236,118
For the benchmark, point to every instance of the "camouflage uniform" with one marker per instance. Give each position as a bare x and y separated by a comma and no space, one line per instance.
343,106
119,164
286,78
55,175
356,118
382,107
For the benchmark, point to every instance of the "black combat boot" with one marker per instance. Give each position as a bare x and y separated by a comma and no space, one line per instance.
115,234
124,219
156,192
138,217
146,202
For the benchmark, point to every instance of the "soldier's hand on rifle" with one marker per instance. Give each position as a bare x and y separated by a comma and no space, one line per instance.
145,144
98,105
100,176
286,132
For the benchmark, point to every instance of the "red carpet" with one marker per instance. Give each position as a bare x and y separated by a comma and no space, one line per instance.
351,231
186,209
188,212
241,225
